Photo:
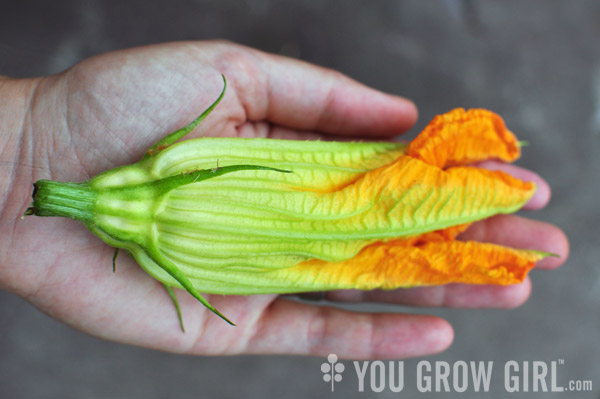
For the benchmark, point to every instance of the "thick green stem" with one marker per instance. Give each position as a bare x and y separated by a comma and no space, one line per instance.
72,200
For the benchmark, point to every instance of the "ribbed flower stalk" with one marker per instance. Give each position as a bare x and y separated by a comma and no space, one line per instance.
251,216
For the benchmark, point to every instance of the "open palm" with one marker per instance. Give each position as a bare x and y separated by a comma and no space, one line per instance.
108,110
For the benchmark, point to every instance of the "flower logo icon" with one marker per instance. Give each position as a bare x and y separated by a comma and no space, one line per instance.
332,372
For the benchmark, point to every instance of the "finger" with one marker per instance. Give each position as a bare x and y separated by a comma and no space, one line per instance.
450,295
542,194
289,327
517,232
302,96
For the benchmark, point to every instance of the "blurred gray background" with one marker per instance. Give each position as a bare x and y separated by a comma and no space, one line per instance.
537,63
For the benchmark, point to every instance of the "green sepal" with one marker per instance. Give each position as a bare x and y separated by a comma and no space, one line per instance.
167,184
176,303
179,134
157,256
542,253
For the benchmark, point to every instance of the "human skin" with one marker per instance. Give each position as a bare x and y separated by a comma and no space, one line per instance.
108,110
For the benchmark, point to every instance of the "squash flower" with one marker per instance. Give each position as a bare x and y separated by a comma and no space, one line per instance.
253,216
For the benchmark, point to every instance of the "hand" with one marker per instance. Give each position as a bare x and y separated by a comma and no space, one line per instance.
108,110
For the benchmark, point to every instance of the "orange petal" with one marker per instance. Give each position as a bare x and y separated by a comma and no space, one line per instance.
461,137
411,197
394,264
